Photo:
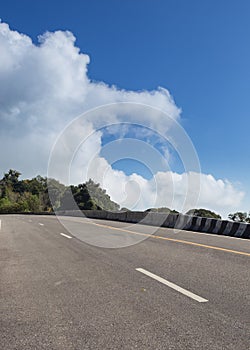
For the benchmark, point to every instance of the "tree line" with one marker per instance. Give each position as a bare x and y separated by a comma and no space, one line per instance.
41,194
38,195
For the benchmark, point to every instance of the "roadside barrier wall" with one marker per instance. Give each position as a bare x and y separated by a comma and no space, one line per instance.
176,221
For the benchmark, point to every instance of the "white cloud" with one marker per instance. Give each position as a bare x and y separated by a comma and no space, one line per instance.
167,189
45,86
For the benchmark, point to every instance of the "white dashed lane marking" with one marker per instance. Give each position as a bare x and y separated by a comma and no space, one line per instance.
173,286
64,235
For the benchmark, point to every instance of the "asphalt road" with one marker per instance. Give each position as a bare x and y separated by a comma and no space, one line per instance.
170,290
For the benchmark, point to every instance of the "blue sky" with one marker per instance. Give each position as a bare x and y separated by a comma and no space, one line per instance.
198,50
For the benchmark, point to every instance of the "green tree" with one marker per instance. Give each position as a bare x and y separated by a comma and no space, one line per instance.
87,196
12,177
124,209
205,213
162,210
39,193
100,197
31,201
239,217
8,182
53,194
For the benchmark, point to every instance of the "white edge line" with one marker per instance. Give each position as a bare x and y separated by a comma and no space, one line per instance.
173,286
0,224
63,234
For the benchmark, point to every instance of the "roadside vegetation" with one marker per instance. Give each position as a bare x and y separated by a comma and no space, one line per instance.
240,217
205,213
33,195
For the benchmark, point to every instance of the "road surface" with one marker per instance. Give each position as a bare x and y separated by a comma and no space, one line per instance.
172,290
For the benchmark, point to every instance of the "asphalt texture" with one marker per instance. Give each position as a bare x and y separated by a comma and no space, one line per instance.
81,290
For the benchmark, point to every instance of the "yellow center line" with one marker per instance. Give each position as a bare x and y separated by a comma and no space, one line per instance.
174,240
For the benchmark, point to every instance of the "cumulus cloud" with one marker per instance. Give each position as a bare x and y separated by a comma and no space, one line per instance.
166,189
45,86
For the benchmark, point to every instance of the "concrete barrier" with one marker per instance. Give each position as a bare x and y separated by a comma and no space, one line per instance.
96,214
116,216
202,224
196,223
246,233
122,216
183,222
205,227
223,226
229,228
217,226
171,220
240,231
135,216
72,213
154,219
176,221
212,225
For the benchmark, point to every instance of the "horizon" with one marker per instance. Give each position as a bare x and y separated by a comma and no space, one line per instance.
162,209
